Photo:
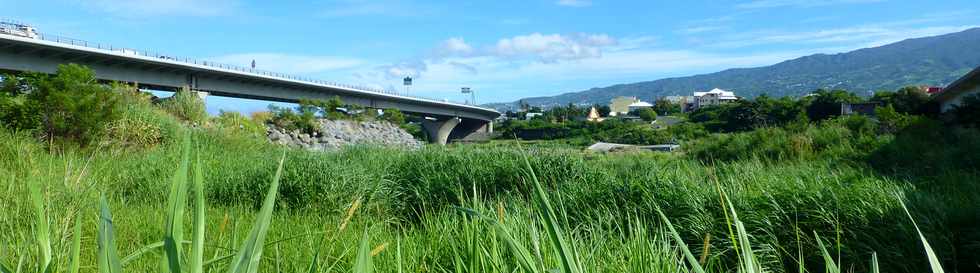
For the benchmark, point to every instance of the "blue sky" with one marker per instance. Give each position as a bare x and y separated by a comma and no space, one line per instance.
503,49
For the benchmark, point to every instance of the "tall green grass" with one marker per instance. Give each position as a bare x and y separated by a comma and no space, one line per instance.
576,213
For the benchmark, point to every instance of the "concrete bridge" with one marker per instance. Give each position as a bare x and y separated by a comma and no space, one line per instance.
443,120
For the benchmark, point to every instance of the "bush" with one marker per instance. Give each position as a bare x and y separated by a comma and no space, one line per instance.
394,116
19,113
968,112
647,114
236,123
73,105
186,106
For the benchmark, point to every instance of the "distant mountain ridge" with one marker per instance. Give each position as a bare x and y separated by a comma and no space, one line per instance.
935,60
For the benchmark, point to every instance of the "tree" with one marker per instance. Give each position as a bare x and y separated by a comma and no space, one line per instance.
968,112
394,116
907,100
825,104
647,114
602,109
73,105
665,107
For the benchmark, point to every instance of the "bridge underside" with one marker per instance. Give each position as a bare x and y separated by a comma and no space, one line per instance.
163,75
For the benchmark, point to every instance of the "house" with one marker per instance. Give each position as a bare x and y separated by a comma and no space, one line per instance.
953,94
621,105
714,97
532,115
639,105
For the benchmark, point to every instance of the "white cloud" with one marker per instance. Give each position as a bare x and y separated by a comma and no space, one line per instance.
553,47
701,29
290,64
574,3
759,4
857,36
399,70
139,8
455,46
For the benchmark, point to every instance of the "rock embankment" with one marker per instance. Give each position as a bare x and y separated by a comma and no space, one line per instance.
335,134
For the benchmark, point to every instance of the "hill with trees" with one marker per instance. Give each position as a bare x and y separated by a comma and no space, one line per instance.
936,60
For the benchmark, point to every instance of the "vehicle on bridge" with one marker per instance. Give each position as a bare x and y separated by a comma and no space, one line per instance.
18,29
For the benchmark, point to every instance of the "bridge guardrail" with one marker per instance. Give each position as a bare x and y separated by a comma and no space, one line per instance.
153,54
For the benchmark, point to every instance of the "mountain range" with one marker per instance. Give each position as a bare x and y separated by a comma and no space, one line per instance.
934,61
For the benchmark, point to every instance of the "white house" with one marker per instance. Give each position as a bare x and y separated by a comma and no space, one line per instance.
639,105
953,94
714,97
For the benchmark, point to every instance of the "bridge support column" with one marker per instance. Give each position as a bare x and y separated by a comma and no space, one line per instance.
439,130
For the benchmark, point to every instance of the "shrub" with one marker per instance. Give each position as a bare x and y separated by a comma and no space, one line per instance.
394,116
647,114
186,106
19,113
305,120
236,123
141,125
968,112
73,105
261,117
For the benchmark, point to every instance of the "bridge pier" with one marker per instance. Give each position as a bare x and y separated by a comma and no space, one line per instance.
439,130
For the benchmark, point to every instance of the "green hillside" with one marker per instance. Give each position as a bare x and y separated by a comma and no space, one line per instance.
935,60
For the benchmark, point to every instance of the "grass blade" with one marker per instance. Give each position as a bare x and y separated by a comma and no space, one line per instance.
249,255
828,260
196,263
107,257
933,259
695,266
76,245
363,262
41,226
5,269
874,262
173,230
569,260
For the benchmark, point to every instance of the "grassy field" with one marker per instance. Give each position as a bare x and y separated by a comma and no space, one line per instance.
474,208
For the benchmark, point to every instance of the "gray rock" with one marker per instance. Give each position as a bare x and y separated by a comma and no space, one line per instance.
335,134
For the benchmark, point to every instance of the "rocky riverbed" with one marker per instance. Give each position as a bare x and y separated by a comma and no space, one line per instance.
335,134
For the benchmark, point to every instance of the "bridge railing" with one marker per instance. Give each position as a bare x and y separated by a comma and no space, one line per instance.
158,55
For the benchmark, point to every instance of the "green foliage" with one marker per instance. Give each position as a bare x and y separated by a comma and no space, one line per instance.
665,107
236,123
647,114
394,116
967,113
186,106
825,104
890,120
745,115
886,67
907,100
72,104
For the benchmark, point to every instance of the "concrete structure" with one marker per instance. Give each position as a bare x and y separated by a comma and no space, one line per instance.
953,94
714,97
859,108
18,53
621,105
605,147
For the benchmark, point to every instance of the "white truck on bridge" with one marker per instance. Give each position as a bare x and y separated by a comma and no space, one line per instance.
18,29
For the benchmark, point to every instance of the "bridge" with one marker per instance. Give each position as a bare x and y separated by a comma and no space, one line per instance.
443,120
